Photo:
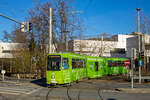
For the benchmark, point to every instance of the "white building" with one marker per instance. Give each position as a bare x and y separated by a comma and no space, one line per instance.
115,48
6,49
133,42
119,47
6,54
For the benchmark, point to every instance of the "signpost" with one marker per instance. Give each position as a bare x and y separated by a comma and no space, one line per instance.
133,57
132,66
140,65
3,72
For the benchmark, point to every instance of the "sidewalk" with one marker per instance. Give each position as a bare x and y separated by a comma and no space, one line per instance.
134,90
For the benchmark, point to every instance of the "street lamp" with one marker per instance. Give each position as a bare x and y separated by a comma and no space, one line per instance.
138,10
139,40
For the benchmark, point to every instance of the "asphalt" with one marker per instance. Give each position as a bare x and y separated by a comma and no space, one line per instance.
94,89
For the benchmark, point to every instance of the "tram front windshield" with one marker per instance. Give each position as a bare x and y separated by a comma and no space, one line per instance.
53,63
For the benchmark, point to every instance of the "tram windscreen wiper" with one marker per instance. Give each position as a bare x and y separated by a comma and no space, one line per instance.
54,63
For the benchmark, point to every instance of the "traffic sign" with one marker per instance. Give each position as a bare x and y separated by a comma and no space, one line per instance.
140,63
127,62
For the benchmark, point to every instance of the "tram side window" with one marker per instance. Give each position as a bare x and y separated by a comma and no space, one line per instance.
74,65
65,63
81,63
122,63
96,66
115,63
110,63
78,63
119,63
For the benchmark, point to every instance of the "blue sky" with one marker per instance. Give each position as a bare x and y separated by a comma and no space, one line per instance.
99,16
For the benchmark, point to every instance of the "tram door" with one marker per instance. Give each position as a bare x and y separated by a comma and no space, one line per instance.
65,70
96,68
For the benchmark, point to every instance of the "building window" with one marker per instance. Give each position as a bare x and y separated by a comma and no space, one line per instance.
6,51
120,51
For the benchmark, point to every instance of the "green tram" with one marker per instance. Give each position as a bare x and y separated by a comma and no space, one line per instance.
63,68
115,66
95,67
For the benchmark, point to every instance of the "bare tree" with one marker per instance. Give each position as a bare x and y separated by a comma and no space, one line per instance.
15,36
65,25
6,36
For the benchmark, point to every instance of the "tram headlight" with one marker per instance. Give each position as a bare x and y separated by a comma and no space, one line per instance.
53,76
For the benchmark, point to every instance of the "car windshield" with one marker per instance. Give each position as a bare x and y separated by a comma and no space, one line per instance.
54,62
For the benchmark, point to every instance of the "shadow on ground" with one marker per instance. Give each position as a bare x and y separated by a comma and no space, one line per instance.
40,82
111,99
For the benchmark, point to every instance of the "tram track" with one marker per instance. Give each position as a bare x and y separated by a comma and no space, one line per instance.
69,97
70,94
49,91
99,90
3,98
68,87
79,94
52,88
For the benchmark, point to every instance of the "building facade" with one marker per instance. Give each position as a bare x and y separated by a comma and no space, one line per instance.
141,42
6,54
6,49
104,48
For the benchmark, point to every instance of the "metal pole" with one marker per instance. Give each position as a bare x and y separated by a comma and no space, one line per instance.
50,30
3,77
11,19
139,74
132,66
138,10
138,29
66,42
22,24
139,41
132,73
102,39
